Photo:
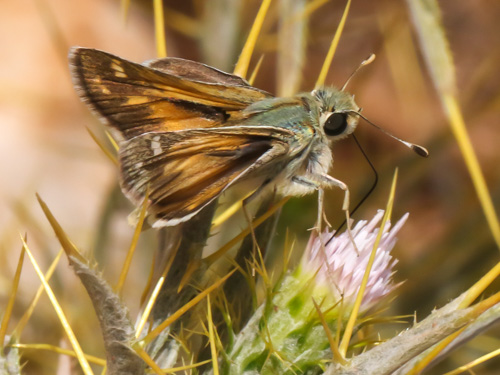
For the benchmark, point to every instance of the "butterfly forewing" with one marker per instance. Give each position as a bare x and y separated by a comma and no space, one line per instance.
136,99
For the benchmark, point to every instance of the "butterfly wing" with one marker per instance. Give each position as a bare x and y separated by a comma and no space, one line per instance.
162,95
186,170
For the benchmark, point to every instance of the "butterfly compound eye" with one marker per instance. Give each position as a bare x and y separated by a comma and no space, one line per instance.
335,124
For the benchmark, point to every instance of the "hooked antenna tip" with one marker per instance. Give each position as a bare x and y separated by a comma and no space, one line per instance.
419,150
369,59
365,62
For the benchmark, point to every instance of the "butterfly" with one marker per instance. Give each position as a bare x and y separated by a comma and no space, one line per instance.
187,132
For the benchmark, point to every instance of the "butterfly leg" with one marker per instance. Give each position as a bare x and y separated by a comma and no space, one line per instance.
333,182
321,209
329,181
324,180
321,194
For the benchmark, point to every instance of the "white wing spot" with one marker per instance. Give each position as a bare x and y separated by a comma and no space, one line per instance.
156,146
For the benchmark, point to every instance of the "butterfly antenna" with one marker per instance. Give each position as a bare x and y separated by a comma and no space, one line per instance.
419,150
369,60
368,193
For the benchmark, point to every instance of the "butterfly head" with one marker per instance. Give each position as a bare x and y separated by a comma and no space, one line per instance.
337,112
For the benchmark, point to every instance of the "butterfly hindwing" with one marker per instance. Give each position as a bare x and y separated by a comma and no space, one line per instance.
186,170
196,71
162,95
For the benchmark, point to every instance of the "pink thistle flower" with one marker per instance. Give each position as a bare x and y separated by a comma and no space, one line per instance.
340,269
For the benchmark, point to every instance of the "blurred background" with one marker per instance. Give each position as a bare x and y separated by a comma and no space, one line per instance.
45,147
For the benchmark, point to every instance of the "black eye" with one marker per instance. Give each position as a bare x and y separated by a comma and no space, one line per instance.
335,124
